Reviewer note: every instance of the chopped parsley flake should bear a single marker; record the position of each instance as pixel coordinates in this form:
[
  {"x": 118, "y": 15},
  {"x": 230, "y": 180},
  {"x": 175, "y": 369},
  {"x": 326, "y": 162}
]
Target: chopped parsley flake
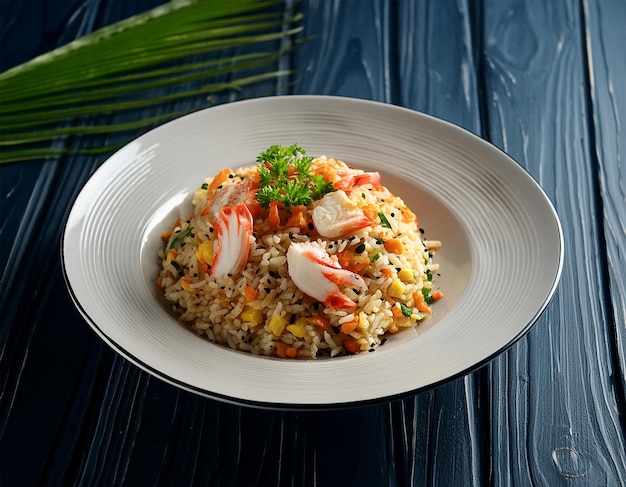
[
  {"x": 383, "y": 220},
  {"x": 177, "y": 238},
  {"x": 406, "y": 311}
]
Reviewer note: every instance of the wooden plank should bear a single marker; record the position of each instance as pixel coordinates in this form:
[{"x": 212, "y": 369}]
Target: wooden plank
[
  {"x": 554, "y": 408},
  {"x": 401, "y": 60},
  {"x": 604, "y": 23}
]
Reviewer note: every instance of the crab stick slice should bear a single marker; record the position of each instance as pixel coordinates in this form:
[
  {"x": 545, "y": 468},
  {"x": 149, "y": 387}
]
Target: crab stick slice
[
  {"x": 233, "y": 228},
  {"x": 337, "y": 215},
  {"x": 317, "y": 275}
]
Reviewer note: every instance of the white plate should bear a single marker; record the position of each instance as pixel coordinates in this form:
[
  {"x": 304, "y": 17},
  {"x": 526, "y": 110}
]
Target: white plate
[{"x": 500, "y": 262}]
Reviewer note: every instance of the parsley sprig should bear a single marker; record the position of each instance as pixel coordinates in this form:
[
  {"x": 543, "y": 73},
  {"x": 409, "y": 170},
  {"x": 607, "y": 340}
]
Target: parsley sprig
[{"x": 285, "y": 177}]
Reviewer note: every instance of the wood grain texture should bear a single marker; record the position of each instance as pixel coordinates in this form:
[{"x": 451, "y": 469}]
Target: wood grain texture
[
  {"x": 535, "y": 82},
  {"x": 540, "y": 80},
  {"x": 604, "y": 24}
]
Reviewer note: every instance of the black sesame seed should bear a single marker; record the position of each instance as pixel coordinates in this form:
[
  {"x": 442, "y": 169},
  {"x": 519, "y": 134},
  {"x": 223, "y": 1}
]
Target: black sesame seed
[
  {"x": 383, "y": 341},
  {"x": 360, "y": 249},
  {"x": 371, "y": 350},
  {"x": 231, "y": 176},
  {"x": 311, "y": 226}
]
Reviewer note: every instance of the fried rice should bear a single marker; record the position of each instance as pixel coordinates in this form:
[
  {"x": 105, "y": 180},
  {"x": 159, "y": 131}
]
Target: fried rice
[{"x": 264, "y": 307}]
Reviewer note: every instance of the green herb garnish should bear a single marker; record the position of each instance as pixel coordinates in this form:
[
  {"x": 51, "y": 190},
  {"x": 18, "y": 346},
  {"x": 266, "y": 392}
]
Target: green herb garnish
[
  {"x": 406, "y": 311},
  {"x": 383, "y": 220},
  {"x": 178, "y": 267},
  {"x": 427, "y": 297},
  {"x": 177, "y": 238},
  {"x": 285, "y": 177},
  {"x": 374, "y": 258}
]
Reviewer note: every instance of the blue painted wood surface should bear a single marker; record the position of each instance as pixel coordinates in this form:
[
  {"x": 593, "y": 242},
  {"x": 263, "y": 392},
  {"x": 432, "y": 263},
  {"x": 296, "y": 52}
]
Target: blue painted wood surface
[{"x": 541, "y": 80}]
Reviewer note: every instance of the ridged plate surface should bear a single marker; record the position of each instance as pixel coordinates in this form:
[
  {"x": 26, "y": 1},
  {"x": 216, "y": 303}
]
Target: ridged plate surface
[{"x": 500, "y": 261}]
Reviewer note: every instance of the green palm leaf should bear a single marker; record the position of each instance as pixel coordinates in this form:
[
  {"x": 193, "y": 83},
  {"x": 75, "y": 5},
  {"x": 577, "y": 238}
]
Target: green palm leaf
[{"x": 128, "y": 65}]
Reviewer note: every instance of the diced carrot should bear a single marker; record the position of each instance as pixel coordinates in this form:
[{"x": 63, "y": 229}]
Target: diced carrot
[
  {"x": 250, "y": 293},
  {"x": 221, "y": 176},
  {"x": 297, "y": 217},
  {"x": 320, "y": 321},
  {"x": 351, "y": 345},
  {"x": 420, "y": 304},
  {"x": 159, "y": 281},
  {"x": 371, "y": 212},
  {"x": 349, "y": 326},
  {"x": 358, "y": 266},
  {"x": 255, "y": 208},
  {"x": 327, "y": 172},
  {"x": 344, "y": 258},
  {"x": 396, "y": 311},
  {"x": 437, "y": 295},
  {"x": 283, "y": 350},
  {"x": 177, "y": 223},
  {"x": 218, "y": 179},
  {"x": 408, "y": 216},
  {"x": 165, "y": 236},
  {"x": 274, "y": 217},
  {"x": 394, "y": 246},
  {"x": 386, "y": 272}
]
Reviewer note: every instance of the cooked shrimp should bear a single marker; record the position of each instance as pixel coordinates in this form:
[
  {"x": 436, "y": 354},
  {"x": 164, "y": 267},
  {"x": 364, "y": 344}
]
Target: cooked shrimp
[
  {"x": 337, "y": 215},
  {"x": 233, "y": 228},
  {"x": 317, "y": 275}
]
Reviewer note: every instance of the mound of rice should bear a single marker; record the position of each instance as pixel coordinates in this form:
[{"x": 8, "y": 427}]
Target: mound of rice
[{"x": 260, "y": 310}]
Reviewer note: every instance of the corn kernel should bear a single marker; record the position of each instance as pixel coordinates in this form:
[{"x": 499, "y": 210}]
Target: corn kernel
[
  {"x": 277, "y": 325},
  {"x": 405, "y": 275},
  {"x": 363, "y": 322},
  {"x": 184, "y": 283},
  {"x": 396, "y": 289},
  {"x": 298, "y": 329},
  {"x": 252, "y": 315}
]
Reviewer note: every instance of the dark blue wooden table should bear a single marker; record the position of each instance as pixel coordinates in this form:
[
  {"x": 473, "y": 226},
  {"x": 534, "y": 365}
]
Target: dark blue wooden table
[{"x": 542, "y": 80}]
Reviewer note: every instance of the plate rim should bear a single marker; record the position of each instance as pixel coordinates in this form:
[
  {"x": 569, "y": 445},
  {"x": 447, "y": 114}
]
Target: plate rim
[{"x": 299, "y": 406}]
